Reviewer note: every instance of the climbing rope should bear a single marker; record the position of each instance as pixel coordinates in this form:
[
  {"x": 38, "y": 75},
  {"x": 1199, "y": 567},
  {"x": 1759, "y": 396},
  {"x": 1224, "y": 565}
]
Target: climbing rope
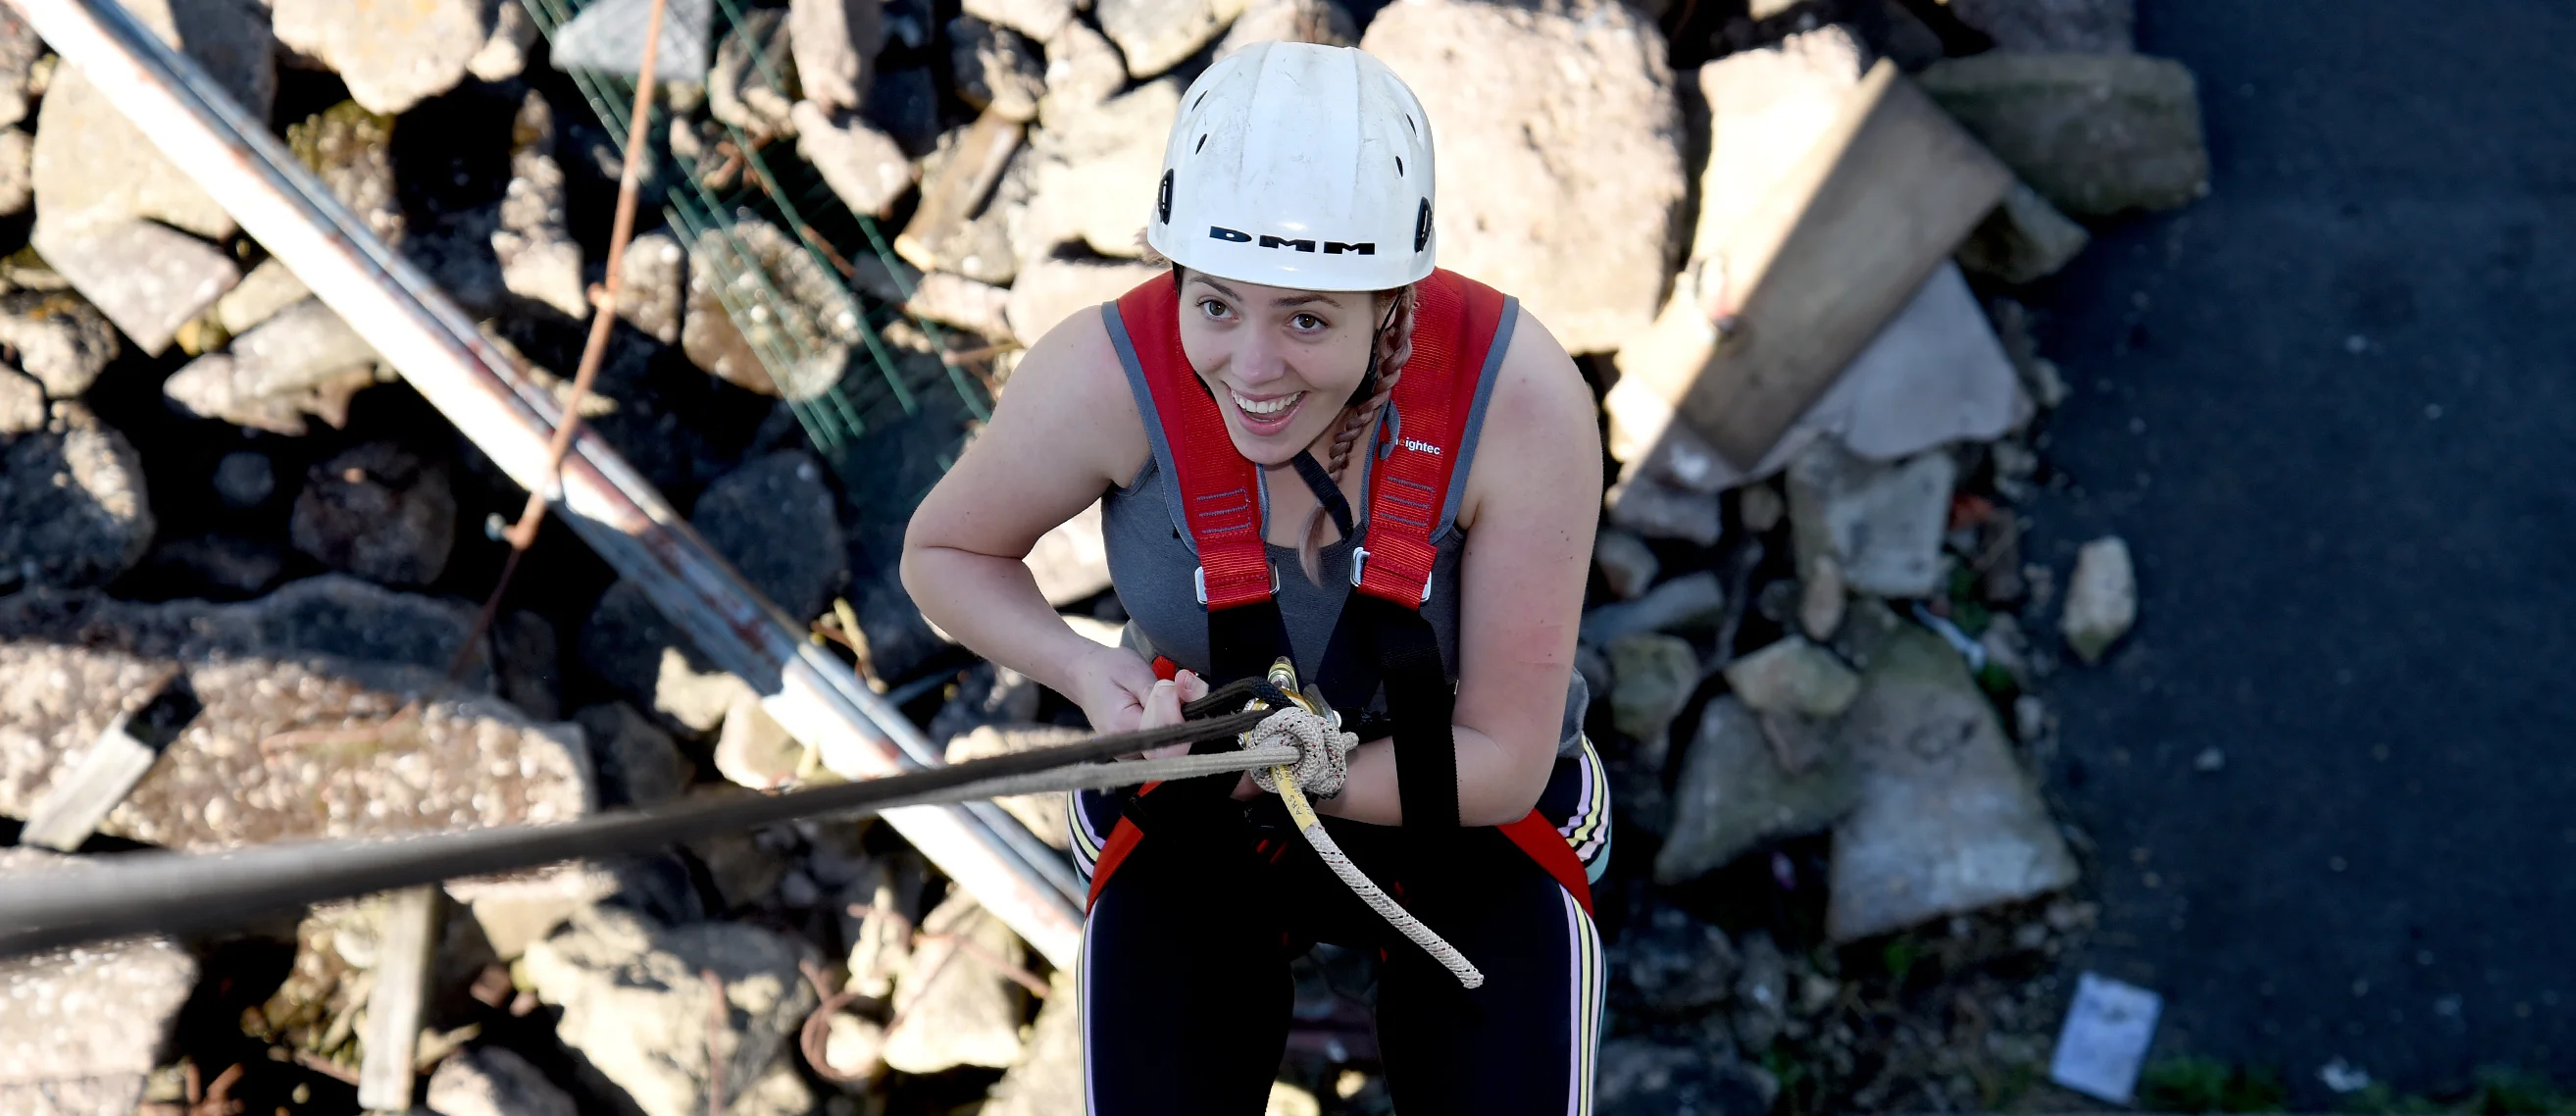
[
  {"x": 1284, "y": 740},
  {"x": 1322, "y": 752}
]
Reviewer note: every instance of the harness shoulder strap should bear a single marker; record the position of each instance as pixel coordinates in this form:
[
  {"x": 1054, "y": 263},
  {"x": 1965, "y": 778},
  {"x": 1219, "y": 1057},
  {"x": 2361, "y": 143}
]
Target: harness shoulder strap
[
  {"x": 1456, "y": 328},
  {"x": 1217, "y": 487}
]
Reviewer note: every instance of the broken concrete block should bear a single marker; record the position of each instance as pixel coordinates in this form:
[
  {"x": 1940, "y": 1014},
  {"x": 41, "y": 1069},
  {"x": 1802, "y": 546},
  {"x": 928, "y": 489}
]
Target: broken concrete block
[
  {"x": 17, "y": 171},
  {"x": 1652, "y": 675},
  {"x": 754, "y": 750},
  {"x": 1759, "y": 327},
  {"x": 392, "y": 54},
  {"x": 1037, "y": 19},
  {"x": 640, "y": 1009},
  {"x": 352, "y": 768},
  {"x": 1083, "y": 67},
  {"x": 979, "y": 308},
  {"x": 2101, "y": 598},
  {"x": 1794, "y": 677},
  {"x": 835, "y": 44},
  {"x": 1947, "y": 821},
  {"x": 1935, "y": 374},
  {"x": 963, "y": 1012},
  {"x": 268, "y": 288},
  {"x": 2023, "y": 241},
  {"x": 304, "y": 361},
  {"x": 1650, "y": 507},
  {"x": 1051, "y": 289},
  {"x": 1689, "y": 601},
  {"x": 609, "y": 36},
  {"x": 1732, "y": 794},
  {"x": 61, "y": 340},
  {"x": 1626, "y": 565},
  {"x": 146, "y": 277},
  {"x": 1094, "y": 169},
  {"x": 1565, "y": 189},
  {"x": 92, "y": 165},
  {"x": 1071, "y": 562},
  {"x": 1768, "y": 107},
  {"x": 84, "y": 1027},
  {"x": 754, "y": 81},
  {"x": 1820, "y": 598},
  {"x": 862, "y": 165},
  {"x": 2097, "y": 134},
  {"x": 539, "y": 259},
  {"x": 22, "y": 404},
  {"x": 1156, "y": 35},
  {"x": 505, "y": 53},
  {"x": 996, "y": 68},
  {"x": 1881, "y": 523},
  {"x": 493, "y": 1081}
]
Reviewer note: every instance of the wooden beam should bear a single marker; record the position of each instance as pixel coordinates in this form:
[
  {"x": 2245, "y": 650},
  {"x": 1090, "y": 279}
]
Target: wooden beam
[
  {"x": 406, "y": 947},
  {"x": 1755, "y": 333}
]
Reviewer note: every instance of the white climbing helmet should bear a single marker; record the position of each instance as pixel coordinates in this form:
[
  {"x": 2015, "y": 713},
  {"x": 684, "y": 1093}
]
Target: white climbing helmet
[{"x": 1297, "y": 165}]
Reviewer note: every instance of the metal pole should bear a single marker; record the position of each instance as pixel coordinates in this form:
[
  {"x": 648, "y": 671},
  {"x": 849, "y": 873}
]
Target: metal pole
[{"x": 612, "y": 508}]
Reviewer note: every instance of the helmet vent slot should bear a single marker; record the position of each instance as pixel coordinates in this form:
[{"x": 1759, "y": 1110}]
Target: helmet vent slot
[{"x": 1202, "y": 144}]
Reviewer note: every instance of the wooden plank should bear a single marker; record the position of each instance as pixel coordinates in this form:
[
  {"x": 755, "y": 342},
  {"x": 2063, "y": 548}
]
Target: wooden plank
[
  {"x": 78, "y": 801},
  {"x": 405, "y": 949},
  {"x": 953, "y": 192},
  {"x": 1833, "y": 251}
]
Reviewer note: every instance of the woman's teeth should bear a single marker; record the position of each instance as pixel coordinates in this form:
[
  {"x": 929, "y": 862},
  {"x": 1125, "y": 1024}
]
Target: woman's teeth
[{"x": 1266, "y": 406}]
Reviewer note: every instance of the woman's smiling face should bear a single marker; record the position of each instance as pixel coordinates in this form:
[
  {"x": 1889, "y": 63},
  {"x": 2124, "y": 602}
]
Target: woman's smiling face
[{"x": 1281, "y": 362}]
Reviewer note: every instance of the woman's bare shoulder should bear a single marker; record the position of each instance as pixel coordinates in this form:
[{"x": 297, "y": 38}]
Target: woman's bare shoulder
[
  {"x": 1071, "y": 387},
  {"x": 1541, "y": 435}
]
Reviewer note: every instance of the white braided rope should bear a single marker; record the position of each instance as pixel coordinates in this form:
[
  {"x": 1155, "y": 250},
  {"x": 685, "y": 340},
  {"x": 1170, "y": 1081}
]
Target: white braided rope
[
  {"x": 1323, "y": 755},
  {"x": 1403, "y": 921},
  {"x": 1327, "y": 752}
]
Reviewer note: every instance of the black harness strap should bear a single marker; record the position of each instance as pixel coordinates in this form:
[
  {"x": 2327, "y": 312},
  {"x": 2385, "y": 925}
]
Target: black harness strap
[{"x": 1326, "y": 492}]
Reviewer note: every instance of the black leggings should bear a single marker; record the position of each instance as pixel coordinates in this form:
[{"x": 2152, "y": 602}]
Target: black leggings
[{"x": 1185, "y": 989}]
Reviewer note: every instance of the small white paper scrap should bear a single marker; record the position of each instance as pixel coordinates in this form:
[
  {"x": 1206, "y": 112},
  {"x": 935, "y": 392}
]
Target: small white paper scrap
[{"x": 2105, "y": 1039}]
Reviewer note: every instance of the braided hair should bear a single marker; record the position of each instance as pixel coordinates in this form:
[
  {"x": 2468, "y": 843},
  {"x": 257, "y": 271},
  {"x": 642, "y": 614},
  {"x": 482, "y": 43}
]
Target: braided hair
[{"x": 1389, "y": 350}]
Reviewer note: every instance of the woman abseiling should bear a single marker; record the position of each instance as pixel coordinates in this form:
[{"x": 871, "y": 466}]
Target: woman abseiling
[{"x": 1310, "y": 443}]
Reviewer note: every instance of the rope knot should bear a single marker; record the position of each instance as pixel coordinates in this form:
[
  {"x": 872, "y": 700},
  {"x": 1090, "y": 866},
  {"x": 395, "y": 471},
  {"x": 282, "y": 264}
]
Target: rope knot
[{"x": 1323, "y": 755}]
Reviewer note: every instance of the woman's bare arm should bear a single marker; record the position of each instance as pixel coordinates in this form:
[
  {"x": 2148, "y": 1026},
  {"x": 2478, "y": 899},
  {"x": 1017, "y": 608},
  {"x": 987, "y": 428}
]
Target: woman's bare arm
[
  {"x": 1064, "y": 431},
  {"x": 1533, "y": 496}
]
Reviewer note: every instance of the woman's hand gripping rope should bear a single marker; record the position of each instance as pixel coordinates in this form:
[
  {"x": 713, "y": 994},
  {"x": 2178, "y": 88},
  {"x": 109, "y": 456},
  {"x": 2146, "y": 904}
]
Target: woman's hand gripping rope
[{"x": 1323, "y": 763}]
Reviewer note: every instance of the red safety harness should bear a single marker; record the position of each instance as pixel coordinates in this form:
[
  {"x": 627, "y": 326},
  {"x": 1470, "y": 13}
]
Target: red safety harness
[{"x": 1382, "y": 637}]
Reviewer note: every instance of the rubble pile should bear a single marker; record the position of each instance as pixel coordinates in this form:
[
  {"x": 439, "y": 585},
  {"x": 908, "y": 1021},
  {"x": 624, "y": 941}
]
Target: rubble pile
[{"x": 1803, "y": 277}]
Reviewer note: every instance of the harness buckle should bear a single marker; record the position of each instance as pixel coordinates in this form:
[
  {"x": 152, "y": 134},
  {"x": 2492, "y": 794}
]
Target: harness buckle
[
  {"x": 1200, "y": 577},
  {"x": 1359, "y": 567}
]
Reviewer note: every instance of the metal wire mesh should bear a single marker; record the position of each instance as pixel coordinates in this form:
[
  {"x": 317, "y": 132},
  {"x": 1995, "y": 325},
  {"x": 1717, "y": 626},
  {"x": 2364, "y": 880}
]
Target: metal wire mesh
[{"x": 889, "y": 425}]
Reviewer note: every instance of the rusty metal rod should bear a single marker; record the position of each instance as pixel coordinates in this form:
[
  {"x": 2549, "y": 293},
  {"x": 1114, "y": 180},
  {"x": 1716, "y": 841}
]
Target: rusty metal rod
[{"x": 611, "y": 507}]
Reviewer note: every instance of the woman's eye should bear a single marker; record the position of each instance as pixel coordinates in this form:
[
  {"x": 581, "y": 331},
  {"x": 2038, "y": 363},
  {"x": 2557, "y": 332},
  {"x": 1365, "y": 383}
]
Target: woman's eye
[
  {"x": 1214, "y": 309},
  {"x": 1307, "y": 322}
]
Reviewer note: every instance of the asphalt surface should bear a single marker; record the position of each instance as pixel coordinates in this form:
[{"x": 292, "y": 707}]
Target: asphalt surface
[{"x": 2332, "y": 408}]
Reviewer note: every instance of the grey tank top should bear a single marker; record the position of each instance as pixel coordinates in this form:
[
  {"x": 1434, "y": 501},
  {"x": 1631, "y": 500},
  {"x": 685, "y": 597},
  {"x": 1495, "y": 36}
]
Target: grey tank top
[{"x": 1153, "y": 562}]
